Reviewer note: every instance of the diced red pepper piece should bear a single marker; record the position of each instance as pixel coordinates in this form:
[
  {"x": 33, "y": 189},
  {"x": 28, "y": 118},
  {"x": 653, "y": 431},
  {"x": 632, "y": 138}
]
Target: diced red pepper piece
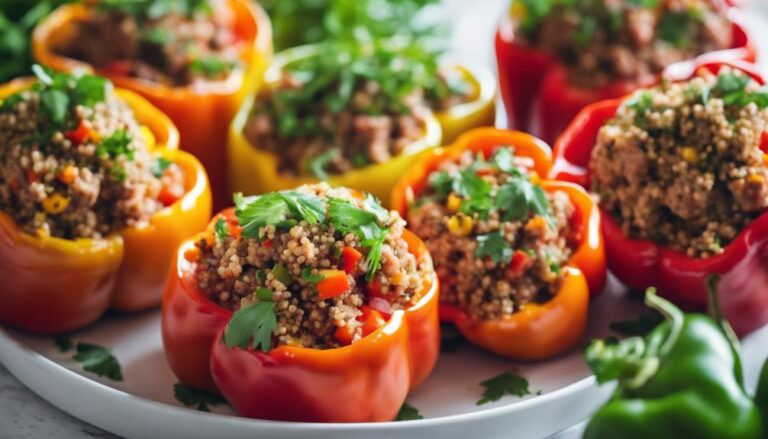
[
  {"x": 344, "y": 335},
  {"x": 79, "y": 135},
  {"x": 764, "y": 142},
  {"x": 519, "y": 263},
  {"x": 267, "y": 243},
  {"x": 373, "y": 321},
  {"x": 334, "y": 284},
  {"x": 350, "y": 259},
  {"x": 118, "y": 68}
]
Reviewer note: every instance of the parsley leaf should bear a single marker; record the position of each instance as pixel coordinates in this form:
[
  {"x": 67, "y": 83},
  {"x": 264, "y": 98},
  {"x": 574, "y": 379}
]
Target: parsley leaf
[
  {"x": 318, "y": 164},
  {"x": 504, "y": 384},
  {"x": 192, "y": 397},
  {"x": 221, "y": 228},
  {"x": 99, "y": 360},
  {"x": 309, "y": 277},
  {"x": 442, "y": 183},
  {"x": 408, "y": 413},
  {"x": 503, "y": 160},
  {"x": 347, "y": 218},
  {"x": 211, "y": 66},
  {"x": 117, "y": 144},
  {"x": 252, "y": 326},
  {"x": 277, "y": 208},
  {"x": 495, "y": 246},
  {"x": 55, "y": 103}
]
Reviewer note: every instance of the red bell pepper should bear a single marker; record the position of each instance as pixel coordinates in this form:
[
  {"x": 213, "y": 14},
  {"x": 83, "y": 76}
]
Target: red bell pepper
[
  {"x": 371, "y": 376},
  {"x": 535, "y": 88},
  {"x": 742, "y": 266},
  {"x": 334, "y": 284}
]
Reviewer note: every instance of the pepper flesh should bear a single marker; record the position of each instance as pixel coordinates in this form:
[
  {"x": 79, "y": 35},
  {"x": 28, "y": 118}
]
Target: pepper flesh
[
  {"x": 538, "y": 97},
  {"x": 538, "y": 330},
  {"x": 643, "y": 263},
  {"x": 689, "y": 384},
  {"x": 82, "y": 278},
  {"x": 201, "y": 111},
  {"x": 372, "y": 375}
]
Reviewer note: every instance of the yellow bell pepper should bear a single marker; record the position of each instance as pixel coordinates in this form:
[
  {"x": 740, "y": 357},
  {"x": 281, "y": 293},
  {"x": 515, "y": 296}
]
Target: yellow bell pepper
[
  {"x": 254, "y": 171},
  {"x": 478, "y": 111}
]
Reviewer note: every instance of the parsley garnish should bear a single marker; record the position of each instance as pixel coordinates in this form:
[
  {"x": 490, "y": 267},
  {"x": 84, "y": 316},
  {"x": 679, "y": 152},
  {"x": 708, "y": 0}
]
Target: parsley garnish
[
  {"x": 318, "y": 164},
  {"x": 252, "y": 326},
  {"x": 211, "y": 66},
  {"x": 281, "y": 209},
  {"x": 505, "y": 384},
  {"x": 221, "y": 228},
  {"x": 408, "y": 413},
  {"x": 310, "y": 278},
  {"x": 159, "y": 166},
  {"x": 99, "y": 360},
  {"x": 117, "y": 144},
  {"x": 495, "y": 246},
  {"x": 347, "y": 218},
  {"x": 196, "y": 398}
]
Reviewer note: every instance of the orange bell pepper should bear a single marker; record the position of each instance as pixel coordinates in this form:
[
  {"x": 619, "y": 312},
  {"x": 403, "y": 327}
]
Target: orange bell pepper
[
  {"x": 372, "y": 376},
  {"x": 537, "y": 331},
  {"x": 202, "y": 112},
  {"x": 53, "y": 285},
  {"x": 334, "y": 284}
]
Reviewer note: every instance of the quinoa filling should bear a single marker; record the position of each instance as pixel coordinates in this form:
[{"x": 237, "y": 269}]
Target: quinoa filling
[
  {"x": 603, "y": 41},
  {"x": 351, "y": 107},
  {"x": 497, "y": 239},
  {"x": 171, "y": 43},
  {"x": 316, "y": 267},
  {"x": 74, "y": 162},
  {"x": 682, "y": 165}
]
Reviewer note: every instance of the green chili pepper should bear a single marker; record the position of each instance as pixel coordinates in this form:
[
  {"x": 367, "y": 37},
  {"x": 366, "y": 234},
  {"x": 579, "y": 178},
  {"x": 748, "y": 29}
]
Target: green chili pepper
[{"x": 682, "y": 380}]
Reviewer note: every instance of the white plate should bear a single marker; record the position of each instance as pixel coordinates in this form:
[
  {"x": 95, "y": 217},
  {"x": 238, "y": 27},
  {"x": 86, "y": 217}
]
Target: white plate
[{"x": 143, "y": 404}]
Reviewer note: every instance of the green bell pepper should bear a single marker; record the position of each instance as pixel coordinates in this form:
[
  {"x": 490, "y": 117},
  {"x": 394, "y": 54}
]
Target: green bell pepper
[{"x": 683, "y": 380}]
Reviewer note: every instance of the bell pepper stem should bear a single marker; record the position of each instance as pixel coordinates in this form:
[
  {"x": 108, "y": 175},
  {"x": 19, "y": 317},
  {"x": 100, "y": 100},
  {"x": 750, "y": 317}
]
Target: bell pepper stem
[
  {"x": 672, "y": 314},
  {"x": 713, "y": 309}
]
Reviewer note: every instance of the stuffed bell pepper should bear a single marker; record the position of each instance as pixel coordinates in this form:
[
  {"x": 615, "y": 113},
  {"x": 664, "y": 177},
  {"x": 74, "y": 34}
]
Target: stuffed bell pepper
[
  {"x": 681, "y": 173},
  {"x": 353, "y": 114},
  {"x": 313, "y": 304},
  {"x": 94, "y": 200},
  {"x": 518, "y": 257},
  {"x": 556, "y": 57},
  {"x": 195, "y": 60}
]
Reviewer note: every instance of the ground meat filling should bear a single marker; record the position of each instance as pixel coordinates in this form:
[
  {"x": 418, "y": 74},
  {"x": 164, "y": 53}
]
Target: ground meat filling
[
  {"x": 173, "y": 43},
  {"x": 682, "y": 164},
  {"x": 603, "y": 41},
  {"x": 357, "y": 107},
  {"x": 497, "y": 239},
  {"x": 77, "y": 165},
  {"x": 326, "y": 285}
]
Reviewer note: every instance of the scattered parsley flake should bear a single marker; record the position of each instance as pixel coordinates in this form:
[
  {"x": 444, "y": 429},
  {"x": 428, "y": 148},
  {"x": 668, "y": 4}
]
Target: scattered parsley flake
[
  {"x": 196, "y": 398},
  {"x": 221, "y": 229},
  {"x": 309, "y": 277},
  {"x": 408, "y": 413},
  {"x": 506, "y": 383},
  {"x": 99, "y": 360},
  {"x": 494, "y": 246}
]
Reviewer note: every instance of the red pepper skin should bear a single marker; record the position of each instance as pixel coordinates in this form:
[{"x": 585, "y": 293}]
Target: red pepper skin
[
  {"x": 372, "y": 376},
  {"x": 642, "y": 263},
  {"x": 538, "y": 97}
]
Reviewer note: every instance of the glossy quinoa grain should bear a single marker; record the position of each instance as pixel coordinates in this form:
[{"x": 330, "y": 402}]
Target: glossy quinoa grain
[
  {"x": 603, "y": 41},
  {"x": 497, "y": 239},
  {"x": 74, "y": 162},
  {"x": 682, "y": 164},
  {"x": 308, "y": 261}
]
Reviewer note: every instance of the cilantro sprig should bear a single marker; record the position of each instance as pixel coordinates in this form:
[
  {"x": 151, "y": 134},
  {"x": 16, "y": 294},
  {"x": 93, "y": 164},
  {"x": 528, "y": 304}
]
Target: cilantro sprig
[
  {"x": 507, "y": 383},
  {"x": 348, "y": 218},
  {"x": 252, "y": 326},
  {"x": 92, "y": 357},
  {"x": 199, "y": 399},
  {"x": 408, "y": 413}
]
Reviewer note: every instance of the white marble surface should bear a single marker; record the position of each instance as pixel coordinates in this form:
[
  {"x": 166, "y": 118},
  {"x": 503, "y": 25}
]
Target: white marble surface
[{"x": 25, "y": 415}]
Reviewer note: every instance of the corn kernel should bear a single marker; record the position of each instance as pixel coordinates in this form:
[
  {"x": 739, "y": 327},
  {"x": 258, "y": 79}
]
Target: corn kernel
[
  {"x": 533, "y": 177},
  {"x": 454, "y": 202},
  {"x": 460, "y": 225},
  {"x": 149, "y": 137},
  {"x": 756, "y": 179},
  {"x": 55, "y": 203},
  {"x": 690, "y": 154}
]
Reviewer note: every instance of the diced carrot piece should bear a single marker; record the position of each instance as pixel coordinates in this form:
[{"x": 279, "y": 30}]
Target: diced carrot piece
[
  {"x": 350, "y": 259},
  {"x": 79, "y": 135},
  {"x": 373, "y": 321},
  {"x": 68, "y": 174},
  {"x": 192, "y": 254},
  {"x": 334, "y": 284}
]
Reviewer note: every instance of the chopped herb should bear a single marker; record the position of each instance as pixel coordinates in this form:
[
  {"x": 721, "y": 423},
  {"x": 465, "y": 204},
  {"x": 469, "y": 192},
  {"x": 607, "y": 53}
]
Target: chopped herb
[
  {"x": 503, "y": 160},
  {"x": 159, "y": 36},
  {"x": 309, "y": 277},
  {"x": 99, "y": 360},
  {"x": 54, "y": 104},
  {"x": 252, "y": 326},
  {"x": 196, "y": 398},
  {"x": 221, "y": 229},
  {"x": 64, "y": 343},
  {"x": 408, "y": 413},
  {"x": 264, "y": 294},
  {"x": 495, "y": 246},
  {"x": 281, "y": 209},
  {"x": 159, "y": 166},
  {"x": 442, "y": 183},
  {"x": 674, "y": 27},
  {"x": 318, "y": 164},
  {"x": 117, "y": 144},
  {"x": 282, "y": 274},
  {"x": 586, "y": 30},
  {"x": 211, "y": 66},
  {"x": 347, "y": 218},
  {"x": 505, "y": 384}
]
